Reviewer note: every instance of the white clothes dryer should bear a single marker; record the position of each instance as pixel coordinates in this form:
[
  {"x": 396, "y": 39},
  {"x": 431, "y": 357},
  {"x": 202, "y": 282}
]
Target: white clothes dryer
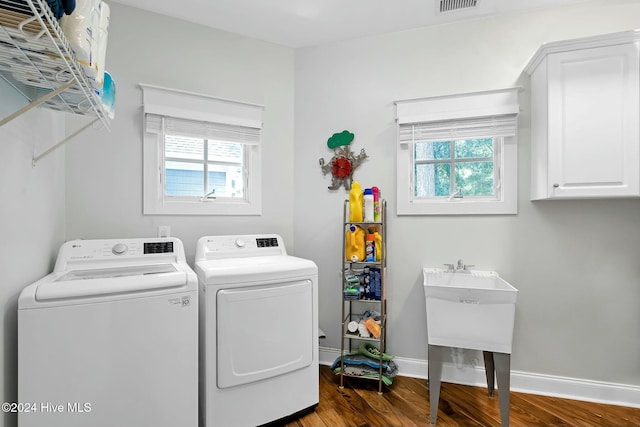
[
  {"x": 258, "y": 331},
  {"x": 110, "y": 337}
]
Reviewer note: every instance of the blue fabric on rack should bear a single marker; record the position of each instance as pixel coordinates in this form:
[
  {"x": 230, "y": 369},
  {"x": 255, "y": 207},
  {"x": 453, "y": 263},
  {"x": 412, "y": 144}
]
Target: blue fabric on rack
[
  {"x": 56, "y": 8},
  {"x": 358, "y": 359},
  {"x": 61, "y": 7},
  {"x": 69, "y": 6}
]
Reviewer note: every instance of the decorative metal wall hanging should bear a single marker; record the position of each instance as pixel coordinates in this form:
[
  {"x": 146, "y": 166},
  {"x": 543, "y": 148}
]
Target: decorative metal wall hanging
[{"x": 344, "y": 162}]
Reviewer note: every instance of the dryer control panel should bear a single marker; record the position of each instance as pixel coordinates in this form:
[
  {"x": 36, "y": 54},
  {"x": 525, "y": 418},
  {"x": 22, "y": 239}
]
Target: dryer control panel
[{"x": 240, "y": 246}]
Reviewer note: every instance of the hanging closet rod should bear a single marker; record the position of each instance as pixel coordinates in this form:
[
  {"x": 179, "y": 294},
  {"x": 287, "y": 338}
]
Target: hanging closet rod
[
  {"x": 33, "y": 104},
  {"x": 61, "y": 143}
]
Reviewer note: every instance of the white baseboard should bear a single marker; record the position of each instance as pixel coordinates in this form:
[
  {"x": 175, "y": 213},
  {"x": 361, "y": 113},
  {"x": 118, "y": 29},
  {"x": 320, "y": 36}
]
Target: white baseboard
[{"x": 525, "y": 382}]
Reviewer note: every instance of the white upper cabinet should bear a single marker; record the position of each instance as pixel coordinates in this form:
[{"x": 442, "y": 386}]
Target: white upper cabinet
[{"x": 585, "y": 118}]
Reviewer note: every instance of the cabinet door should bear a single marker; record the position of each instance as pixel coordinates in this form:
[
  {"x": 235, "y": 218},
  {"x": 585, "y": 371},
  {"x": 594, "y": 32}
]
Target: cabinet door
[{"x": 593, "y": 122}]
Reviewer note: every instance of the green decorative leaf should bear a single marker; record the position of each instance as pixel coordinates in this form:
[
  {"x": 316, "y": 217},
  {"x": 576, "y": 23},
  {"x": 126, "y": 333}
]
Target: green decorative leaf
[{"x": 337, "y": 139}]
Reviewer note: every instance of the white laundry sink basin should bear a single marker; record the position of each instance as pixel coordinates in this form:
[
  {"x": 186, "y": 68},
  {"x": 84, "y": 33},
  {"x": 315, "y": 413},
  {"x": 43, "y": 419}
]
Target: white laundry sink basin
[{"x": 469, "y": 309}]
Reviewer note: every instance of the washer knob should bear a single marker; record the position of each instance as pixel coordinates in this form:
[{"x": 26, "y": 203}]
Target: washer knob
[
  {"x": 119, "y": 249},
  {"x": 240, "y": 243}
]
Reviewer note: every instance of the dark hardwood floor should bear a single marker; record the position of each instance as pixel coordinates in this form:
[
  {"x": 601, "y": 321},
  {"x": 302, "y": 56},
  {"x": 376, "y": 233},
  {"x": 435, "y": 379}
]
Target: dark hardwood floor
[{"x": 406, "y": 403}]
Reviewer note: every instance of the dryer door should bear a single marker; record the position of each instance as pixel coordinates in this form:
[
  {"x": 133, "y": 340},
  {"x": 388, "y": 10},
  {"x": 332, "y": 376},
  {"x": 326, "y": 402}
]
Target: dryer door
[{"x": 263, "y": 331}]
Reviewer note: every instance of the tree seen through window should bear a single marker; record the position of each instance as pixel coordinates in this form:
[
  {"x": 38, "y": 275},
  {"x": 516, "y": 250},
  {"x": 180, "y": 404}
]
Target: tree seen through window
[{"x": 464, "y": 168}]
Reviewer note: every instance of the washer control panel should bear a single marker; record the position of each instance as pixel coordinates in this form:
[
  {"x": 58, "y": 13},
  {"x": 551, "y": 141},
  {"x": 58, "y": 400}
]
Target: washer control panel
[
  {"x": 267, "y": 242},
  {"x": 119, "y": 249},
  {"x": 110, "y": 249},
  {"x": 158, "y": 247}
]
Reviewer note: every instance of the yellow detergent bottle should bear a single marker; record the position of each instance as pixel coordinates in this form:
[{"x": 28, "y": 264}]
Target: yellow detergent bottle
[
  {"x": 378, "y": 242},
  {"x": 354, "y": 244},
  {"x": 356, "y": 202},
  {"x": 379, "y": 248}
]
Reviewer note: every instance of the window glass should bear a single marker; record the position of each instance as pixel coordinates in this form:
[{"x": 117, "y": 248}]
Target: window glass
[
  {"x": 475, "y": 179},
  {"x": 226, "y": 168},
  {"x": 432, "y": 179},
  {"x": 184, "y": 179},
  {"x": 471, "y": 161},
  {"x": 433, "y": 150},
  {"x": 188, "y": 174},
  {"x": 468, "y": 148}
]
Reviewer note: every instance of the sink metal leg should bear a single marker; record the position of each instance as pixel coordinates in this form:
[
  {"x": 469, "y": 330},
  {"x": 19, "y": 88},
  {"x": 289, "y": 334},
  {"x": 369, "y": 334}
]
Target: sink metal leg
[
  {"x": 503, "y": 372},
  {"x": 489, "y": 371},
  {"x": 434, "y": 361},
  {"x": 497, "y": 365}
]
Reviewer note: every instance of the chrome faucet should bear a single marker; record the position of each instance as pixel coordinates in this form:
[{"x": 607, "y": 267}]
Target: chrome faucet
[{"x": 462, "y": 267}]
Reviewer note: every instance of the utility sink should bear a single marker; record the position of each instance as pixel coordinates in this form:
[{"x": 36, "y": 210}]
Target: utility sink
[{"x": 469, "y": 309}]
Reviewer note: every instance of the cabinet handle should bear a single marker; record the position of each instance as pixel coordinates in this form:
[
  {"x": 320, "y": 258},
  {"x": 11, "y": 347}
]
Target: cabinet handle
[{"x": 556, "y": 185}]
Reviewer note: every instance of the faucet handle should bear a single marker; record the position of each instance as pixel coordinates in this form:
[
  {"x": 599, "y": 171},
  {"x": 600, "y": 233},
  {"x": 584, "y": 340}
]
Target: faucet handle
[
  {"x": 468, "y": 265},
  {"x": 449, "y": 267}
]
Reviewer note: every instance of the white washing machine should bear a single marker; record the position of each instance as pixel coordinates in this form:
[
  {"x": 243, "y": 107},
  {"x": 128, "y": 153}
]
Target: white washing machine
[
  {"x": 258, "y": 331},
  {"x": 110, "y": 338}
]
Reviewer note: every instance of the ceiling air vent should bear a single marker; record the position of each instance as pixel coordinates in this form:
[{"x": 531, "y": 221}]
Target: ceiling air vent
[{"x": 453, "y": 5}]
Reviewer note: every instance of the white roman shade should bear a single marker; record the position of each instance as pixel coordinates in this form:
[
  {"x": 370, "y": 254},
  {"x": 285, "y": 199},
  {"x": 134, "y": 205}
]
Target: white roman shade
[
  {"x": 216, "y": 131},
  {"x": 475, "y": 115},
  {"x": 167, "y": 111}
]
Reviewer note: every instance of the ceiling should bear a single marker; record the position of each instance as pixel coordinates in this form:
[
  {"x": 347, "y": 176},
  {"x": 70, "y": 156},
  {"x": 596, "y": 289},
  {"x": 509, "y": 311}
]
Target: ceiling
[{"x": 303, "y": 23}]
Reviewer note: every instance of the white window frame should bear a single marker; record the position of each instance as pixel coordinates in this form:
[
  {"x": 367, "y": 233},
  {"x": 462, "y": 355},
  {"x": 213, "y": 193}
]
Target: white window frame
[
  {"x": 463, "y": 116},
  {"x": 170, "y": 103}
]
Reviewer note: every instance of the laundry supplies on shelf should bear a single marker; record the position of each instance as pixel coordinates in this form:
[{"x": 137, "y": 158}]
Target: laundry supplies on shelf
[
  {"x": 356, "y": 203},
  {"x": 366, "y": 325},
  {"x": 373, "y": 352},
  {"x": 370, "y": 247},
  {"x": 87, "y": 32},
  {"x": 351, "y": 286},
  {"x": 61, "y": 7},
  {"x": 354, "y": 244},
  {"x": 368, "y": 205},
  {"x": 38, "y": 61},
  {"x": 365, "y": 362},
  {"x": 364, "y": 304},
  {"x": 376, "y": 203}
]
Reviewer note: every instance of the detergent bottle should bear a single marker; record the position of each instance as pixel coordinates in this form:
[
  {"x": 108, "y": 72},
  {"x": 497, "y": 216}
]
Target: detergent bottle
[
  {"x": 370, "y": 247},
  {"x": 368, "y": 205},
  {"x": 354, "y": 244},
  {"x": 355, "y": 202},
  {"x": 376, "y": 204},
  {"x": 373, "y": 327},
  {"x": 378, "y": 243}
]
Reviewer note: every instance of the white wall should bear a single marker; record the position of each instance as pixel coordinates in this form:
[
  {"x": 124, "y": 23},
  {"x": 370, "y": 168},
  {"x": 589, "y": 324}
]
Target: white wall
[
  {"x": 575, "y": 263},
  {"x": 104, "y": 169},
  {"x": 31, "y": 219}
]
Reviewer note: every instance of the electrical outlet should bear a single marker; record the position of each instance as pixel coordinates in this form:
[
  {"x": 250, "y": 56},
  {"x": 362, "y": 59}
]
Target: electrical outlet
[{"x": 164, "y": 231}]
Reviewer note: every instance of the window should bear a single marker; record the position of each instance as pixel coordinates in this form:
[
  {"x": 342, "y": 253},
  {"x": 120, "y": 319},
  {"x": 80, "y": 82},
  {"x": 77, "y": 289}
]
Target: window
[
  {"x": 457, "y": 168},
  {"x": 197, "y": 167},
  {"x": 457, "y": 154},
  {"x": 201, "y": 154}
]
